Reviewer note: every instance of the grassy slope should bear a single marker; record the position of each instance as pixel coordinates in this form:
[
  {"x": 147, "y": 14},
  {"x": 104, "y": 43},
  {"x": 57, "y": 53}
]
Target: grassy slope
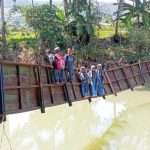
[{"x": 22, "y": 39}]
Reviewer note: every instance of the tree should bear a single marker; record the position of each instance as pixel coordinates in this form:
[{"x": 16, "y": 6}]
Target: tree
[
  {"x": 3, "y": 24},
  {"x": 65, "y": 2},
  {"x": 81, "y": 18},
  {"x": 139, "y": 12},
  {"x": 118, "y": 15},
  {"x": 47, "y": 22},
  {"x": 53, "y": 26},
  {"x": 50, "y": 2},
  {"x": 4, "y": 43}
]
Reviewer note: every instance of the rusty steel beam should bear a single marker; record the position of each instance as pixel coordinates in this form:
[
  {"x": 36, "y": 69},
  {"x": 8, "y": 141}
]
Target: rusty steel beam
[
  {"x": 20, "y": 87},
  {"x": 127, "y": 78},
  {"x": 148, "y": 67},
  {"x": 41, "y": 101},
  {"x": 17, "y": 63},
  {"x": 141, "y": 74},
  {"x": 117, "y": 80},
  {"x": 65, "y": 90},
  {"x": 19, "y": 111},
  {"x": 134, "y": 76},
  {"x": 18, "y": 82},
  {"x": 67, "y": 95},
  {"x": 2, "y": 98},
  {"x": 110, "y": 83},
  {"x": 50, "y": 88},
  {"x": 74, "y": 93}
]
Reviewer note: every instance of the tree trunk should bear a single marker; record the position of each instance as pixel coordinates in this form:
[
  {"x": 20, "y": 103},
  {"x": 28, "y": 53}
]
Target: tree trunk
[
  {"x": 3, "y": 24},
  {"x": 117, "y": 18},
  {"x": 50, "y": 2},
  {"x": 65, "y": 6},
  {"x": 144, "y": 1},
  {"x": 137, "y": 6},
  {"x": 77, "y": 6},
  {"x": 32, "y": 3},
  {"x": 144, "y": 16}
]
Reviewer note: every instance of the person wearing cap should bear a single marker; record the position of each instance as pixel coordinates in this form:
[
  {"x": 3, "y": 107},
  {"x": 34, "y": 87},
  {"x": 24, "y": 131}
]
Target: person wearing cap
[
  {"x": 59, "y": 66},
  {"x": 84, "y": 78},
  {"x": 69, "y": 65},
  {"x": 100, "y": 81},
  {"x": 93, "y": 79},
  {"x": 50, "y": 57}
]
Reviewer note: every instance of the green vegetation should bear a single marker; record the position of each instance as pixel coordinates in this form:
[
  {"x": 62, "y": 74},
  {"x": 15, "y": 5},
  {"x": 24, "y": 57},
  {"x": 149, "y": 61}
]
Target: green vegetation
[
  {"x": 108, "y": 32},
  {"x": 18, "y": 38},
  {"x": 79, "y": 25}
]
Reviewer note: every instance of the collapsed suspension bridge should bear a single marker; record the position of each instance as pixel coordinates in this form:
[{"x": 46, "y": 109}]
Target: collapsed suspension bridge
[{"x": 26, "y": 87}]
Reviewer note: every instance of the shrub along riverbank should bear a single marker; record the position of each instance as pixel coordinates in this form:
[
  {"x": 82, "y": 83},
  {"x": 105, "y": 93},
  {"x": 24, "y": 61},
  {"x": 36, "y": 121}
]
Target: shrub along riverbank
[
  {"x": 133, "y": 45},
  {"x": 79, "y": 25}
]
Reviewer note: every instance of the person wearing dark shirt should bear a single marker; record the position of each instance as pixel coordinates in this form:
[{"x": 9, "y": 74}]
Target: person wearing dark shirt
[
  {"x": 100, "y": 80},
  {"x": 69, "y": 65},
  {"x": 93, "y": 79},
  {"x": 84, "y": 78},
  {"x": 59, "y": 66}
]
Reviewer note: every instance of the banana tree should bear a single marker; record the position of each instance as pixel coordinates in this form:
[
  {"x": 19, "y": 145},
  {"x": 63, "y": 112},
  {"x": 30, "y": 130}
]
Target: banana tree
[
  {"x": 139, "y": 11},
  {"x": 80, "y": 20}
]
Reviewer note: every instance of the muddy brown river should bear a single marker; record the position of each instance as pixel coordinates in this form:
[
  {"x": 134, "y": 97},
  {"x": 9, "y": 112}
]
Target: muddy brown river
[{"x": 117, "y": 123}]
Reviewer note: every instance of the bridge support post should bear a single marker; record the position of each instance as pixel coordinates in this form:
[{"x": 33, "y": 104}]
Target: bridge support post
[
  {"x": 141, "y": 73},
  {"x": 41, "y": 101},
  {"x": 131, "y": 87},
  {"x": 2, "y": 99},
  {"x": 49, "y": 82},
  {"x": 67, "y": 96},
  {"x": 110, "y": 83}
]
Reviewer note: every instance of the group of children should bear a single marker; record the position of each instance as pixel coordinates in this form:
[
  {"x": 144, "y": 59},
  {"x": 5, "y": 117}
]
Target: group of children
[
  {"x": 61, "y": 65},
  {"x": 92, "y": 82},
  {"x": 63, "y": 69}
]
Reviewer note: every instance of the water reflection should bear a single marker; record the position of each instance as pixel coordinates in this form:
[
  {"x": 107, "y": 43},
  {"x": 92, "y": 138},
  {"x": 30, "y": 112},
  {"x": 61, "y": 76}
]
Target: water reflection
[
  {"x": 113, "y": 124},
  {"x": 134, "y": 133},
  {"x": 130, "y": 129}
]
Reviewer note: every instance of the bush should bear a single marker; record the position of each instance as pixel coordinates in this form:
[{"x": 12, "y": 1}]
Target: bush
[{"x": 139, "y": 41}]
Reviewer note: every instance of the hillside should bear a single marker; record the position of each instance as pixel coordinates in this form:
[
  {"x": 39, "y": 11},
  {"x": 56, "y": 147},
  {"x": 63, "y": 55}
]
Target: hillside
[
  {"x": 107, "y": 8},
  {"x": 10, "y": 3}
]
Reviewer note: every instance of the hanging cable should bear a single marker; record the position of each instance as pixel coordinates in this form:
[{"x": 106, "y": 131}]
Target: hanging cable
[{"x": 4, "y": 134}]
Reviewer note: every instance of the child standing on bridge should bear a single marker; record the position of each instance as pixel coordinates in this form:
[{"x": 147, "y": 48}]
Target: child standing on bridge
[
  {"x": 93, "y": 80},
  {"x": 59, "y": 66},
  {"x": 100, "y": 81},
  {"x": 84, "y": 78},
  {"x": 69, "y": 61},
  {"x": 50, "y": 57}
]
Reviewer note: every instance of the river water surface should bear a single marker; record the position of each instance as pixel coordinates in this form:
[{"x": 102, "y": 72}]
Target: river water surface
[{"x": 117, "y": 123}]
